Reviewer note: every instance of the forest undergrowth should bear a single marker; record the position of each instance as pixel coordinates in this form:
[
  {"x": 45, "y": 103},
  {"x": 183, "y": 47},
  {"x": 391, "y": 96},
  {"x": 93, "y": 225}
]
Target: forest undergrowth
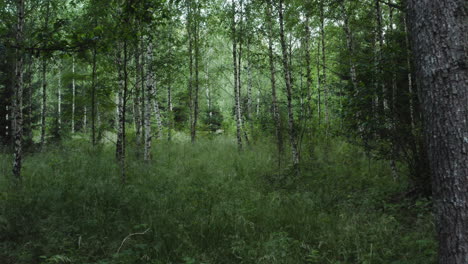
[{"x": 206, "y": 203}]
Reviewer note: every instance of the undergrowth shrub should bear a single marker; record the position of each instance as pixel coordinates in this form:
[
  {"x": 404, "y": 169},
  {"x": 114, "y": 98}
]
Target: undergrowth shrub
[{"x": 207, "y": 203}]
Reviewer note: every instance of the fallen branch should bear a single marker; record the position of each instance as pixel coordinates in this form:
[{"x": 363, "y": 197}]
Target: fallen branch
[{"x": 129, "y": 236}]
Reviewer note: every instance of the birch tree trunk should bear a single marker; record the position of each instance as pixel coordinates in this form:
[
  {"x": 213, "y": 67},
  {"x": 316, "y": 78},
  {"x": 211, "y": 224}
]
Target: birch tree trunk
[
  {"x": 119, "y": 125},
  {"x": 73, "y": 97},
  {"x": 148, "y": 102},
  {"x": 93, "y": 97},
  {"x": 319, "y": 86},
  {"x": 288, "y": 81},
  {"x": 18, "y": 102},
  {"x": 410, "y": 75},
  {"x": 157, "y": 112},
  {"x": 197, "y": 71},
  {"x": 308, "y": 69},
  {"x": 380, "y": 42},
  {"x": 439, "y": 32},
  {"x": 236, "y": 78},
  {"x": 352, "y": 64},
  {"x": 44, "y": 102},
  {"x": 44, "y": 82},
  {"x": 274, "y": 100},
  {"x": 323, "y": 78},
  {"x": 136, "y": 97},
  {"x": 169, "y": 109},
  {"x": 85, "y": 118},
  {"x": 59, "y": 99}
]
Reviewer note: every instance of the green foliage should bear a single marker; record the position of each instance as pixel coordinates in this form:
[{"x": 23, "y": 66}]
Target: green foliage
[{"x": 207, "y": 203}]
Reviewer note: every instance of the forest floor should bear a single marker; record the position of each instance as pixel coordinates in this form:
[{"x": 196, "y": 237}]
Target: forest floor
[{"x": 208, "y": 203}]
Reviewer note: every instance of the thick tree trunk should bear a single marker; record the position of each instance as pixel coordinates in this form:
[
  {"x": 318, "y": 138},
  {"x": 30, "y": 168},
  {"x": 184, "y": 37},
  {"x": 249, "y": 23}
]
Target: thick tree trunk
[
  {"x": 18, "y": 102},
  {"x": 439, "y": 32},
  {"x": 274, "y": 100},
  {"x": 288, "y": 81}
]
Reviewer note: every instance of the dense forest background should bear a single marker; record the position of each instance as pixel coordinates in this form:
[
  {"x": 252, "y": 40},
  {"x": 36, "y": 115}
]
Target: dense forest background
[{"x": 242, "y": 131}]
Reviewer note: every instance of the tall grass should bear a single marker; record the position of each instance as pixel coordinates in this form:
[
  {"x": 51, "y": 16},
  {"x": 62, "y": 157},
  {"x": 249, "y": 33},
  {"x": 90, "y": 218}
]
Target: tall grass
[{"x": 208, "y": 203}]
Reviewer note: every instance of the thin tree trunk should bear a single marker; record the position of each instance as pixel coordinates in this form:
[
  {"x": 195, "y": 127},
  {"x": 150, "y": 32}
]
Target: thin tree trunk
[
  {"x": 93, "y": 98},
  {"x": 439, "y": 32},
  {"x": 18, "y": 102},
  {"x": 157, "y": 112},
  {"x": 274, "y": 100},
  {"x": 85, "y": 118},
  {"x": 236, "y": 78},
  {"x": 73, "y": 96},
  {"x": 44, "y": 102},
  {"x": 30, "y": 98},
  {"x": 136, "y": 97},
  {"x": 352, "y": 68},
  {"x": 308, "y": 69},
  {"x": 124, "y": 108},
  {"x": 379, "y": 31},
  {"x": 257, "y": 111},
  {"x": 44, "y": 82},
  {"x": 148, "y": 102},
  {"x": 323, "y": 78},
  {"x": 319, "y": 86},
  {"x": 59, "y": 99},
  {"x": 197, "y": 70},
  {"x": 169, "y": 109},
  {"x": 288, "y": 81},
  {"x": 121, "y": 135},
  {"x": 410, "y": 76}
]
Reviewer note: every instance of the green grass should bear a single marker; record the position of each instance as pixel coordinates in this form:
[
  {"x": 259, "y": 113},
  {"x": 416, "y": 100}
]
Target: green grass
[{"x": 206, "y": 203}]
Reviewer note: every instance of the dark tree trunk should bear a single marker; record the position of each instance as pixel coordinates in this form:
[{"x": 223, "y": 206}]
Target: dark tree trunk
[
  {"x": 44, "y": 102},
  {"x": 274, "y": 100},
  {"x": 93, "y": 99},
  {"x": 122, "y": 105},
  {"x": 439, "y": 32},
  {"x": 288, "y": 81},
  {"x": 323, "y": 78},
  {"x": 18, "y": 103},
  {"x": 44, "y": 82},
  {"x": 197, "y": 72}
]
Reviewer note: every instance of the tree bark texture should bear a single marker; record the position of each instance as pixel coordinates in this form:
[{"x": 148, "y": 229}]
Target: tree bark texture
[
  {"x": 439, "y": 34},
  {"x": 288, "y": 81},
  {"x": 18, "y": 103}
]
